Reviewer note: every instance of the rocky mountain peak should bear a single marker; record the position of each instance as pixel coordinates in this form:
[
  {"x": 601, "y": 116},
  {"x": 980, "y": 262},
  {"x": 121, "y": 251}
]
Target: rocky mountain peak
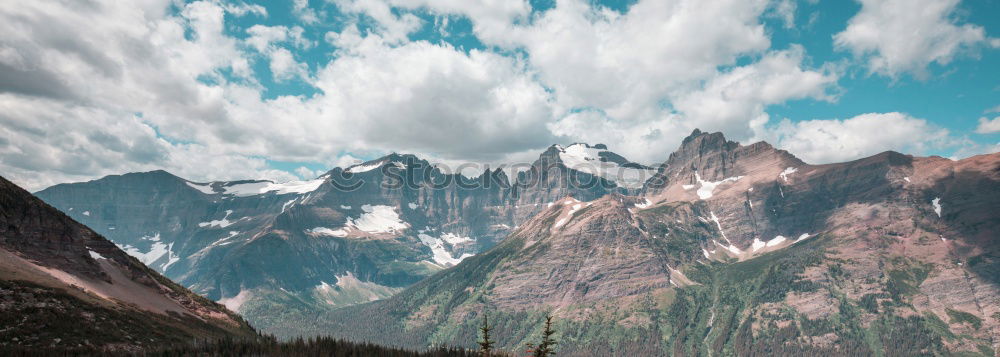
[
  {"x": 595, "y": 160},
  {"x": 711, "y": 157},
  {"x": 550, "y": 156},
  {"x": 401, "y": 161},
  {"x": 497, "y": 176},
  {"x": 155, "y": 176},
  {"x": 700, "y": 144},
  {"x": 855, "y": 246}
]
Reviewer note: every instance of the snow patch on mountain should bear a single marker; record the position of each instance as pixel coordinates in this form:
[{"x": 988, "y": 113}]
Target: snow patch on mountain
[
  {"x": 412, "y": 205},
  {"x": 157, "y": 251},
  {"x": 377, "y": 219},
  {"x": 440, "y": 253},
  {"x": 171, "y": 258},
  {"x": 226, "y": 240},
  {"x": 453, "y": 238},
  {"x": 359, "y": 168},
  {"x": 936, "y": 202},
  {"x": 299, "y": 187},
  {"x": 95, "y": 255},
  {"x": 569, "y": 214},
  {"x": 707, "y": 188},
  {"x": 257, "y": 188},
  {"x": 758, "y": 244},
  {"x": 583, "y": 158},
  {"x": 287, "y": 204},
  {"x": 788, "y": 171},
  {"x": 202, "y": 187},
  {"x": 220, "y": 223},
  {"x": 719, "y": 225},
  {"x": 340, "y": 232}
]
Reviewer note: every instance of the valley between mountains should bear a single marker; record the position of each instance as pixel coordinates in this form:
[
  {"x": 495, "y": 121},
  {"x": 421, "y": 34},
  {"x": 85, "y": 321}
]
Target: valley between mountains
[{"x": 722, "y": 249}]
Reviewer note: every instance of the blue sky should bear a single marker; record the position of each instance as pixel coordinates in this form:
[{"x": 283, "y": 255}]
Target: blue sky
[
  {"x": 953, "y": 96},
  {"x": 219, "y": 89}
]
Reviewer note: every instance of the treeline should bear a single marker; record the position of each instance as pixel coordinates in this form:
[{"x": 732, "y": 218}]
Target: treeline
[
  {"x": 318, "y": 346},
  {"x": 299, "y": 347},
  {"x": 265, "y": 346}
]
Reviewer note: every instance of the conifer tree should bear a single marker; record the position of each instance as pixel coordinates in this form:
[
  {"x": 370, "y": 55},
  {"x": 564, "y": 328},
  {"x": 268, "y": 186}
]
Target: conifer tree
[
  {"x": 486, "y": 345},
  {"x": 547, "y": 346}
]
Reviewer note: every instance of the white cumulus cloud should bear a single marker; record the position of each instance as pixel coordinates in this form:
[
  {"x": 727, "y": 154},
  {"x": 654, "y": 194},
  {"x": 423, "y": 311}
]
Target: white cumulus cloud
[
  {"x": 988, "y": 126},
  {"x": 160, "y": 84},
  {"x": 906, "y": 36},
  {"x": 823, "y": 141}
]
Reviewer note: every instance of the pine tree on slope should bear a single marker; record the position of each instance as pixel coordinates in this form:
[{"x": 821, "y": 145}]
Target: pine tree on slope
[{"x": 486, "y": 345}]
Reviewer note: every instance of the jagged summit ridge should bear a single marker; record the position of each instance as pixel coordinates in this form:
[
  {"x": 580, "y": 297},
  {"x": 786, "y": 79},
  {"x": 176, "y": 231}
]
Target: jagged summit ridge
[
  {"x": 295, "y": 250},
  {"x": 710, "y": 157},
  {"x": 745, "y": 251},
  {"x": 598, "y": 161}
]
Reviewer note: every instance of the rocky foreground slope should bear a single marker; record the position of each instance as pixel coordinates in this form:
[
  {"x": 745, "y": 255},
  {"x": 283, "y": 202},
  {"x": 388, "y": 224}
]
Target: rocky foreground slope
[
  {"x": 64, "y": 286},
  {"x": 733, "y": 250}
]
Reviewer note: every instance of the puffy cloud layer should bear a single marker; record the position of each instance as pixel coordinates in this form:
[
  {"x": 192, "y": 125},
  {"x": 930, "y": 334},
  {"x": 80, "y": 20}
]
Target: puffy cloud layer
[
  {"x": 45, "y": 142},
  {"x": 146, "y": 89},
  {"x": 827, "y": 141},
  {"x": 732, "y": 101},
  {"x": 159, "y": 84},
  {"x": 905, "y": 36},
  {"x": 988, "y": 126},
  {"x": 624, "y": 64},
  {"x": 434, "y": 99},
  {"x": 81, "y": 98},
  {"x": 636, "y": 79}
]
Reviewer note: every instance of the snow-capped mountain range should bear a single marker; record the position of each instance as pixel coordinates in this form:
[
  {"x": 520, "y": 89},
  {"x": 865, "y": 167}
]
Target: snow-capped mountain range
[
  {"x": 253, "y": 243},
  {"x": 746, "y": 235}
]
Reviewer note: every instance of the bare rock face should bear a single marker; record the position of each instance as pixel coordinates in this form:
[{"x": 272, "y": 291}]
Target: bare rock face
[
  {"x": 714, "y": 158},
  {"x": 615, "y": 258},
  {"x": 62, "y": 273},
  {"x": 550, "y": 179}
]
